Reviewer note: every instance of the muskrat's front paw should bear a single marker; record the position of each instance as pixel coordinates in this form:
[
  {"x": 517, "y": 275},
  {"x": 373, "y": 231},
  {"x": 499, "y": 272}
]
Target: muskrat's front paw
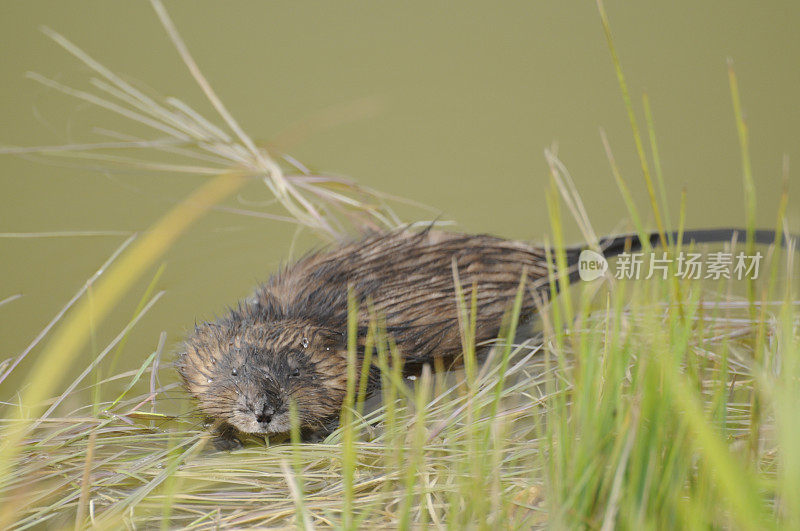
[
  {"x": 319, "y": 435},
  {"x": 315, "y": 436},
  {"x": 226, "y": 443}
]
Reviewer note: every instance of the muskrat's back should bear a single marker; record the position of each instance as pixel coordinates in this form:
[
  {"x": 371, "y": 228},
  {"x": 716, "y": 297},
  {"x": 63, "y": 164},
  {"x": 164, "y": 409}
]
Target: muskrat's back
[{"x": 408, "y": 280}]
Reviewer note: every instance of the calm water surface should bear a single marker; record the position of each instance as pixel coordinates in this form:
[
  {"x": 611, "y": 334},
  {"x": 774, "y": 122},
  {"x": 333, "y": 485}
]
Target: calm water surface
[{"x": 450, "y": 106}]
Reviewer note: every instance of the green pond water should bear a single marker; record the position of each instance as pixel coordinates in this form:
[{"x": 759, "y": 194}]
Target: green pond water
[{"x": 448, "y": 104}]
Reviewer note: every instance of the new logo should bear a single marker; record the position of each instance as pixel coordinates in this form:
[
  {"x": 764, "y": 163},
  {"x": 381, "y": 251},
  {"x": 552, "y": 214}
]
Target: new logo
[{"x": 591, "y": 265}]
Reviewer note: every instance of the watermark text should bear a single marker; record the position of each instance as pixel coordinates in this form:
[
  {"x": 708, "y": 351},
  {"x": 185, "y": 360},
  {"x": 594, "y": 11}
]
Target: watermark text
[{"x": 685, "y": 265}]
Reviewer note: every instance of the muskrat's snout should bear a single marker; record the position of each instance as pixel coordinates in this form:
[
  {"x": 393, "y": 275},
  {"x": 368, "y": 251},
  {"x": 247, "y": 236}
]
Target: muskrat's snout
[
  {"x": 262, "y": 396},
  {"x": 265, "y": 415},
  {"x": 260, "y": 413}
]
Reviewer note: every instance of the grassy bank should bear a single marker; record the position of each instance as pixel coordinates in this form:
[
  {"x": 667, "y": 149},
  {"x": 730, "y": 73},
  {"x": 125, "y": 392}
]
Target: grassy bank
[
  {"x": 641, "y": 404},
  {"x": 653, "y": 410}
]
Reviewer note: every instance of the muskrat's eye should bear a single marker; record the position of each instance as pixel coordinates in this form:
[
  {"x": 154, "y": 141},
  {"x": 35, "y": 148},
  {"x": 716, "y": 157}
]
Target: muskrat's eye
[{"x": 295, "y": 373}]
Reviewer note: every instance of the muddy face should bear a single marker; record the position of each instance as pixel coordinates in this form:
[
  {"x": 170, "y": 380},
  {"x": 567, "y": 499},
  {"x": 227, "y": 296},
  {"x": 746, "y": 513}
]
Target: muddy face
[{"x": 247, "y": 376}]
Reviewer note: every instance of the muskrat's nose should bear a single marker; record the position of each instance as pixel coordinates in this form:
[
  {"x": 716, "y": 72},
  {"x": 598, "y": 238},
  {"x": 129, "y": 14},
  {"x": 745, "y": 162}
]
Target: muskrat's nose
[{"x": 265, "y": 416}]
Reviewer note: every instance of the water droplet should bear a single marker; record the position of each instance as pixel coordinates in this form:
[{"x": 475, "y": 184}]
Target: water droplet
[
  {"x": 304, "y": 342},
  {"x": 327, "y": 348},
  {"x": 234, "y": 372},
  {"x": 412, "y": 377},
  {"x": 210, "y": 380}
]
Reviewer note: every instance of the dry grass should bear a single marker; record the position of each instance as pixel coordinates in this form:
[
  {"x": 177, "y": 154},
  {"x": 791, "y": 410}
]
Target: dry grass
[
  {"x": 641, "y": 405},
  {"x": 634, "y": 415}
]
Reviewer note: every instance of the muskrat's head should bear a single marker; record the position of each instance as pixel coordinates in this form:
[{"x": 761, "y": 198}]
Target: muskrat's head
[{"x": 246, "y": 372}]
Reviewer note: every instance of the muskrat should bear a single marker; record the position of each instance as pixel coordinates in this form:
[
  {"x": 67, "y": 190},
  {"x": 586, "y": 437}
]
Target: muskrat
[{"x": 288, "y": 342}]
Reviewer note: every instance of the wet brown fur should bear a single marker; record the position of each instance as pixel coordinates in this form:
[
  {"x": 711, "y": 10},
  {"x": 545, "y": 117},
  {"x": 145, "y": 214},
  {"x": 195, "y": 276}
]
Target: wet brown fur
[
  {"x": 408, "y": 279},
  {"x": 288, "y": 343}
]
